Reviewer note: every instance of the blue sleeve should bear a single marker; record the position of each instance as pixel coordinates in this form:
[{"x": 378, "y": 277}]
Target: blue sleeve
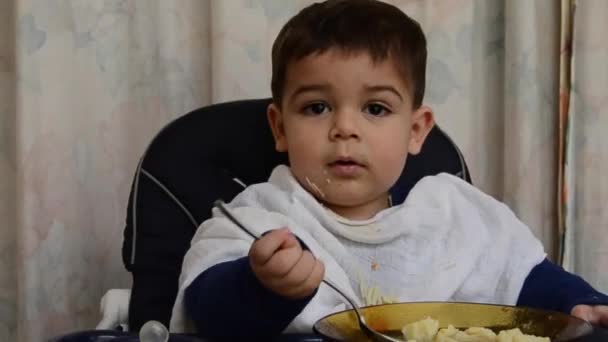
[
  {"x": 227, "y": 302},
  {"x": 550, "y": 287}
]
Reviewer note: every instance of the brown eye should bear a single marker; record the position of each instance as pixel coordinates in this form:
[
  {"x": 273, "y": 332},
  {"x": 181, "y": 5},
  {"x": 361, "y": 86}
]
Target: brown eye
[
  {"x": 317, "y": 108},
  {"x": 376, "y": 109}
]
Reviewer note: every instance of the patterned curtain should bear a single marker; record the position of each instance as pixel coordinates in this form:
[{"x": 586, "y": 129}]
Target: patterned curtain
[{"x": 84, "y": 85}]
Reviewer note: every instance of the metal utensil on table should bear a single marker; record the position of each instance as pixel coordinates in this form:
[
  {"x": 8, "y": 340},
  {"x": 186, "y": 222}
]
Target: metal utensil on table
[
  {"x": 153, "y": 331},
  {"x": 370, "y": 332}
]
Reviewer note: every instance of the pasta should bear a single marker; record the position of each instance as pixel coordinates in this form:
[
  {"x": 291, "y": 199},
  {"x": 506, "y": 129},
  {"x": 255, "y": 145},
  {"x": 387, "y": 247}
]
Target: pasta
[
  {"x": 372, "y": 296},
  {"x": 427, "y": 330}
]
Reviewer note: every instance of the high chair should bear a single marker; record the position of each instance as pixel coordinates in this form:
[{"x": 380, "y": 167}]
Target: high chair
[{"x": 212, "y": 153}]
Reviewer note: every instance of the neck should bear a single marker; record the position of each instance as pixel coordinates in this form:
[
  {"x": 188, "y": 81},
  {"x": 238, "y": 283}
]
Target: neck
[{"x": 363, "y": 211}]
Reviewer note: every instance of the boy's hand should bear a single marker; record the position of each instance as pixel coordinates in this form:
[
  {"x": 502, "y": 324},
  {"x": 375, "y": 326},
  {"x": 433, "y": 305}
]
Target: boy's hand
[
  {"x": 594, "y": 314},
  {"x": 280, "y": 264}
]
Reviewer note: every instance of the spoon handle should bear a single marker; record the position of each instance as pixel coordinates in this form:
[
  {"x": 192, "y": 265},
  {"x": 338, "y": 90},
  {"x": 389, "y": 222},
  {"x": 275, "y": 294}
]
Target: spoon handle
[
  {"x": 222, "y": 207},
  {"x": 224, "y": 210}
]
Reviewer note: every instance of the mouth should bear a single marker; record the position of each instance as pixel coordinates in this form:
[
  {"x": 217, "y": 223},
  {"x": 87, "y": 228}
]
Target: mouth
[
  {"x": 346, "y": 161},
  {"x": 346, "y": 167}
]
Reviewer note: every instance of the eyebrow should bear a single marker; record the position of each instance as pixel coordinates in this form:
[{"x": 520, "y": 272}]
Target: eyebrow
[
  {"x": 379, "y": 88},
  {"x": 310, "y": 87},
  {"x": 325, "y": 87}
]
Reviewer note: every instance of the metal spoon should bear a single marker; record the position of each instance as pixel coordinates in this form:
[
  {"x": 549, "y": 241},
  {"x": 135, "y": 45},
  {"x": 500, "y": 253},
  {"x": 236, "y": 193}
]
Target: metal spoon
[{"x": 370, "y": 332}]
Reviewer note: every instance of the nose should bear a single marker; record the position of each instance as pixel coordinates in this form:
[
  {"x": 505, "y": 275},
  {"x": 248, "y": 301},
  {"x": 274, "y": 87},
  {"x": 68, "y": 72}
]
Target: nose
[{"x": 344, "y": 126}]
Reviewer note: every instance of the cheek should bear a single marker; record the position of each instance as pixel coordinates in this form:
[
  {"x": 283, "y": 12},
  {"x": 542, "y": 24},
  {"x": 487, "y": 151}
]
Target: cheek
[
  {"x": 392, "y": 154},
  {"x": 304, "y": 141},
  {"x": 304, "y": 151},
  {"x": 305, "y": 156},
  {"x": 300, "y": 131},
  {"x": 391, "y": 164}
]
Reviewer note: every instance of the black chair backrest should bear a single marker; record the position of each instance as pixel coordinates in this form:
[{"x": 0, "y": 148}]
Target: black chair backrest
[{"x": 212, "y": 153}]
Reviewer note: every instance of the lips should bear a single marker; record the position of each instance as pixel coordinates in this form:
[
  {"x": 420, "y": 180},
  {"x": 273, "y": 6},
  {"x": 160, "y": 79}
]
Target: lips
[
  {"x": 347, "y": 161},
  {"x": 346, "y": 167},
  {"x": 344, "y": 163}
]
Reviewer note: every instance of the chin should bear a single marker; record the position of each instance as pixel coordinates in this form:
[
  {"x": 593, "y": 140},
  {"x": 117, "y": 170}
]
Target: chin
[{"x": 346, "y": 201}]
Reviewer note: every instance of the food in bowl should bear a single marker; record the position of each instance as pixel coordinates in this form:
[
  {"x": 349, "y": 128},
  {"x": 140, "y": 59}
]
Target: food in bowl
[{"x": 427, "y": 330}]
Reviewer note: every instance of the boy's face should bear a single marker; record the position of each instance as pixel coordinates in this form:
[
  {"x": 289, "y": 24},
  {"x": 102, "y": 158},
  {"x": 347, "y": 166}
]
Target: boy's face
[{"x": 347, "y": 124}]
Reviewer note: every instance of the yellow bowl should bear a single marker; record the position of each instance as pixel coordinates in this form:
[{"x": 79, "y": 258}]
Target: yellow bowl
[{"x": 390, "y": 318}]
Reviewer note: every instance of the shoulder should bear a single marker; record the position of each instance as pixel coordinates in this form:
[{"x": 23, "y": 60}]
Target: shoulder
[
  {"x": 448, "y": 188},
  {"x": 280, "y": 186},
  {"x": 257, "y": 220},
  {"x": 444, "y": 182},
  {"x": 441, "y": 189},
  {"x": 460, "y": 200},
  {"x": 263, "y": 206}
]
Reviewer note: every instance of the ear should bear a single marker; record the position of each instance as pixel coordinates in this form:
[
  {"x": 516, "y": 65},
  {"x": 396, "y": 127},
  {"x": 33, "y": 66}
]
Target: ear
[
  {"x": 422, "y": 122},
  {"x": 275, "y": 119}
]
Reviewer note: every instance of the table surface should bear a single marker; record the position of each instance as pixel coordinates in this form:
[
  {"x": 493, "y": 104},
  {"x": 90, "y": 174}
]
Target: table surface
[{"x": 600, "y": 335}]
